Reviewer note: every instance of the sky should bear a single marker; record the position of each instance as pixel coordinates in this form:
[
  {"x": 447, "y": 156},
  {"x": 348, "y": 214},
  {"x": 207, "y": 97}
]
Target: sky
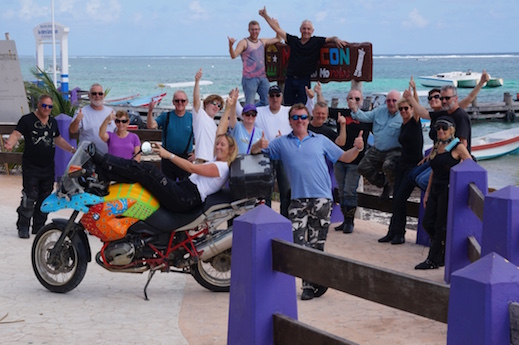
[{"x": 201, "y": 28}]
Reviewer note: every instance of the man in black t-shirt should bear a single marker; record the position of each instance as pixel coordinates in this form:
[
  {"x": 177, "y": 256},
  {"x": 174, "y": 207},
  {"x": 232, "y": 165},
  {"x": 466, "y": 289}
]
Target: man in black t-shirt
[
  {"x": 304, "y": 54},
  {"x": 41, "y": 134}
]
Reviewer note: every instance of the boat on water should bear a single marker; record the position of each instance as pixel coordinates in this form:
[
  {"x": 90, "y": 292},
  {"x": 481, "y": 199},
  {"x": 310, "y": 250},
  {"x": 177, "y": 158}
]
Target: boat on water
[
  {"x": 466, "y": 79},
  {"x": 121, "y": 99},
  {"x": 495, "y": 144},
  {"x": 141, "y": 101}
]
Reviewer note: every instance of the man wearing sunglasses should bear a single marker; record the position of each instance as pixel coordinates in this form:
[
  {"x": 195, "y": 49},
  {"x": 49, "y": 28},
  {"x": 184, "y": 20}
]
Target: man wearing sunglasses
[
  {"x": 444, "y": 102},
  {"x": 304, "y": 155},
  {"x": 379, "y": 162},
  {"x": 304, "y": 54},
  {"x": 177, "y": 133},
  {"x": 41, "y": 134},
  {"x": 89, "y": 119}
]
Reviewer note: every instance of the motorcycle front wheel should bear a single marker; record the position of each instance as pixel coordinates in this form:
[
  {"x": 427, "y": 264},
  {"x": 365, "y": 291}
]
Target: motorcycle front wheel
[
  {"x": 214, "y": 274},
  {"x": 65, "y": 271}
]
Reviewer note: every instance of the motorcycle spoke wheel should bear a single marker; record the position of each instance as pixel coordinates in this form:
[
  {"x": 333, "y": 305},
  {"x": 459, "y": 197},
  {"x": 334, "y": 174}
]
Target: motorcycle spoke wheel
[
  {"x": 64, "y": 272},
  {"x": 214, "y": 274}
]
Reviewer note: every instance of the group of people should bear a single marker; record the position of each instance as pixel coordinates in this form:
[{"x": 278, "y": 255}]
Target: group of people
[{"x": 285, "y": 124}]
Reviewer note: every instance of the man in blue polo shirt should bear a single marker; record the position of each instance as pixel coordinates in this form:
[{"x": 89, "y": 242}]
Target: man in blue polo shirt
[{"x": 304, "y": 155}]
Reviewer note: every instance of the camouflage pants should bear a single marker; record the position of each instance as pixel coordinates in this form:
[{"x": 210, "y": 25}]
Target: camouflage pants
[
  {"x": 378, "y": 167},
  {"x": 310, "y": 219}
]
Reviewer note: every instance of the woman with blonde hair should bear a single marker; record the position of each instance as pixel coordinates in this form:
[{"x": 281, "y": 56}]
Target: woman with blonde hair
[{"x": 447, "y": 152}]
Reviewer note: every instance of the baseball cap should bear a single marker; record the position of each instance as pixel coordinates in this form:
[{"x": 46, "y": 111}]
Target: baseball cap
[
  {"x": 449, "y": 121},
  {"x": 274, "y": 89},
  {"x": 249, "y": 107}
]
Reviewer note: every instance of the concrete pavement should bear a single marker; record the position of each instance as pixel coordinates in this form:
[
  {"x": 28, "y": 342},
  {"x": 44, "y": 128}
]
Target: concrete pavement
[{"x": 108, "y": 308}]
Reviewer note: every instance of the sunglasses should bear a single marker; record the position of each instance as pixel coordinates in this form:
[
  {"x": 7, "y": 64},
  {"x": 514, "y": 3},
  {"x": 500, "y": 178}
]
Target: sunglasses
[
  {"x": 97, "y": 93},
  {"x": 45, "y": 106},
  {"x": 180, "y": 101},
  {"x": 277, "y": 95},
  {"x": 442, "y": 126},
  {"x": 217, "y": 104},
  {"x": 447, "y": 98},
  {"x": 435, "y": 97},
  {"x": 354, "y": 98},
  {"x": 403, "y": 108},
  {"x": 391, "y": 100},
  {"x": 119, "y": 121},
  {"x": 250, "y": 113},
  {"x": 299, "y": 117}
]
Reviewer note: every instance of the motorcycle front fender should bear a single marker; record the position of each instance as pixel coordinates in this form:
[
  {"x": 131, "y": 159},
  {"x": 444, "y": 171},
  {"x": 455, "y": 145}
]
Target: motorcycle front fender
[{"x": 79, "y": 238}]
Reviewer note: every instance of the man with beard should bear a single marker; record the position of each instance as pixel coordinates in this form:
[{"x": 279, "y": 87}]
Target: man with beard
[{"x": 88, "y": 120}]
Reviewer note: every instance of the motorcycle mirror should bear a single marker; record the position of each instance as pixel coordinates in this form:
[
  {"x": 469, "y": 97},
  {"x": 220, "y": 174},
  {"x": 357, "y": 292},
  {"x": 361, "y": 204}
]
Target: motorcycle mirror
[{"x": 146, "y": 147}]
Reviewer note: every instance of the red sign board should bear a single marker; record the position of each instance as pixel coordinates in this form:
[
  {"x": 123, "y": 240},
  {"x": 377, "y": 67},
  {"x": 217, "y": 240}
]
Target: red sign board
[{"x": 353, "y": 62}]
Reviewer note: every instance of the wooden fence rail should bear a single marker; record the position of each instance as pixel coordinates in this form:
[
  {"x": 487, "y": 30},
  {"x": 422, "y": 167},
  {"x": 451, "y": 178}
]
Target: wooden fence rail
[{"x": 391, "y": 288}]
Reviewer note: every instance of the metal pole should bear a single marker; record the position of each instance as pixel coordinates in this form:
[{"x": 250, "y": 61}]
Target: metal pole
[{"x": 54, "y": 75}]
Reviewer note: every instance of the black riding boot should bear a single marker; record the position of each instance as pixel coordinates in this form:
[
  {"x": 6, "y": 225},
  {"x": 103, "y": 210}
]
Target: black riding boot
[{"x": 349, "y": 216}]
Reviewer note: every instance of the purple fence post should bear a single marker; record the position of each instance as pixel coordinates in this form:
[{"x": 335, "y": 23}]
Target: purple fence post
[
  {"x": 501, "y": 224},
  {"x": 478, "y": 302},
  {"x": 336, "y": 215},
  {"x": 61, "y": 158},
  {"x": 257, "y": 291},
  {"x": 461, "y": 221}
]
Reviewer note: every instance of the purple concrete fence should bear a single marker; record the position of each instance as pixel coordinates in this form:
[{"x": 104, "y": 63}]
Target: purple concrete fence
[
  {"x": 61, "y": 158},
  {"x": 257, "y": 291},
  {"x": 478, "y": 302},
  {"x": 501, "y": 224},
  {"x": 461, "y": 221}
]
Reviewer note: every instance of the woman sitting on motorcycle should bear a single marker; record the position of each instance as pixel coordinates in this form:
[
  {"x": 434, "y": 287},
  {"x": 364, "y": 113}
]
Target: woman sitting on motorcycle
[{"x": 177, "y": 196}]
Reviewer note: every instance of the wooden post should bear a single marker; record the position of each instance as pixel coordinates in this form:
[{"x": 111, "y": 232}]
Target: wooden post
[
  {"x": 335, "y": 102},
  {"x": 500, "y": 224},
  {"x": 478, "y": 302},
  {"x": 461, "y": 221},
  {"x": 257, "y": 291}
]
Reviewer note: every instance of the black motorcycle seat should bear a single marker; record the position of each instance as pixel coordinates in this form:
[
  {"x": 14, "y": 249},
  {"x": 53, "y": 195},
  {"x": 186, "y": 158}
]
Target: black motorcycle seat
[{"x": 167, "y": 221}]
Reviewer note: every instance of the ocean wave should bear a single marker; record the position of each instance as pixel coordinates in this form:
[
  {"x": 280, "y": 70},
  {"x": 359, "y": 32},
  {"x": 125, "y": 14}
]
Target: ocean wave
[{"x": 447, "y": 56}]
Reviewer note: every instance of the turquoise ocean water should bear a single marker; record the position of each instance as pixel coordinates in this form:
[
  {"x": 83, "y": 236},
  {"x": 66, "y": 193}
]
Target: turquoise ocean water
[{"x": 126, "y": 75}]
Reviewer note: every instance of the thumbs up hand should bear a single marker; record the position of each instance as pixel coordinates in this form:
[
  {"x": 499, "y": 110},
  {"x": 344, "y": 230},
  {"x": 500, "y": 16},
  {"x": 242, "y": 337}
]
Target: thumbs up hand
[{"x": 359, "y": 142}]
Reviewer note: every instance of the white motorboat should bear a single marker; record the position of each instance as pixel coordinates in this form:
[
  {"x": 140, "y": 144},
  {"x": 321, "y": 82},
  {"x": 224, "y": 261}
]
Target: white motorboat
[
  {"x": 467, "y": 79},
  {"x": 495, "y": 144}
]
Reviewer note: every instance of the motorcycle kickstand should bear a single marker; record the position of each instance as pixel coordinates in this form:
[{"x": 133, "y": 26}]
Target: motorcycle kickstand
[{"x": 150, "y": 275}]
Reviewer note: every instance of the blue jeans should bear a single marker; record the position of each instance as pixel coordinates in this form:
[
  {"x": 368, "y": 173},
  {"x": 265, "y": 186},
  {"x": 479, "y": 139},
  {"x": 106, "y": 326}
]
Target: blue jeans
[
  {"x": 420, "y": 175},
  {"x": 253, "y": 85},
  {"x": 295, "y": 90},
  {"x": 347, "y": 177}
]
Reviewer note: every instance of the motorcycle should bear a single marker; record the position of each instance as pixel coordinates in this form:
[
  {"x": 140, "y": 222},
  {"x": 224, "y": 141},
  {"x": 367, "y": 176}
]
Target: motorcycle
[{"x": 137, "y": 234}]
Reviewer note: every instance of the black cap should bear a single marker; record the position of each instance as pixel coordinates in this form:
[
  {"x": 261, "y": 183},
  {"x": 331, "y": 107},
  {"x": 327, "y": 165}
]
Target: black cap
[
  {"x": 446, "y": 120},
  {"x": 274, "y": 89}
]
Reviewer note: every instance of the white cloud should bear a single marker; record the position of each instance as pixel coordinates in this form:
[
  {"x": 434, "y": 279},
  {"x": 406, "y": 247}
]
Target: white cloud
[
  {"x": 103, "y": 11},
  {"x": 196, "y": 9},
  {"x": 320, "y": 16},
  {"x": 415, "y": 19},
  {"x": 65, "y": 6},
  {"x": 30, "y": 10}
]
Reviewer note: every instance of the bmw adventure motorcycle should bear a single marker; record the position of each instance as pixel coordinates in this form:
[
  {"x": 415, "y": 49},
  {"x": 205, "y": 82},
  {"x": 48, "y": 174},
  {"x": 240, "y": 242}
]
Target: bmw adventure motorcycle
[{"x": 137, "y": 234}]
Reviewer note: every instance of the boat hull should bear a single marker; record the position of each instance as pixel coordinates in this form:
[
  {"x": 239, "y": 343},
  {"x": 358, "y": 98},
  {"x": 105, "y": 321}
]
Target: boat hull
[{"x": 496, "y": 144}]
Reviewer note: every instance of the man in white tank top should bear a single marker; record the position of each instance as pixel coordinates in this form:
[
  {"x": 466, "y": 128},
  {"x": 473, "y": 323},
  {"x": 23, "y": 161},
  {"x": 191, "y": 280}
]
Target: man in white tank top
[{"x": 252, "y": 52}]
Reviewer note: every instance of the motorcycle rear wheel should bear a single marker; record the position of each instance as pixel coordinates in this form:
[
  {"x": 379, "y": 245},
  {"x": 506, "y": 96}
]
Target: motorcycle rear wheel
[
  {"x": 214, "y": 274},
  {"x": 67, "y": 271}
]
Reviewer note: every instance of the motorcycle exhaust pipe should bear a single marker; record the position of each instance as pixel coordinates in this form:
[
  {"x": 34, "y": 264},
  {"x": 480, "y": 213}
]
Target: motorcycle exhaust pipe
[
  {"x": 100, "y": 262},
  {"x": 218, "y": 243}
]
